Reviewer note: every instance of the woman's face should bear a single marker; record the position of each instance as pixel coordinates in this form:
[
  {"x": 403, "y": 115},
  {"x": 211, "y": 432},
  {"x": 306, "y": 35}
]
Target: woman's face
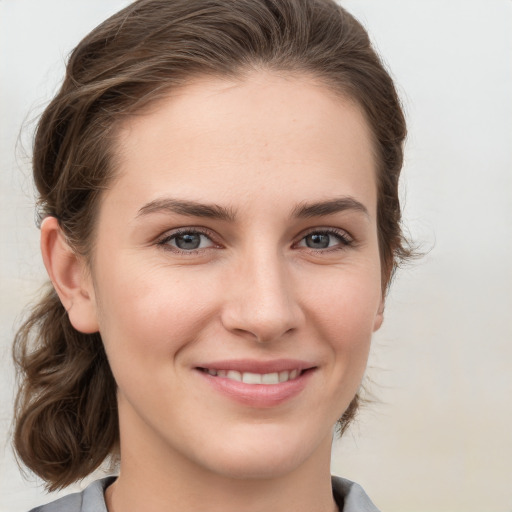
[{"x": 236, "y": 278}]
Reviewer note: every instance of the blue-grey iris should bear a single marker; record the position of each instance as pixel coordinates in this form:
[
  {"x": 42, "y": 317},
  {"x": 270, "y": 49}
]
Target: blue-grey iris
[
  {"x": 318, "y": 241},
  {"x": 188, "y": 241}
]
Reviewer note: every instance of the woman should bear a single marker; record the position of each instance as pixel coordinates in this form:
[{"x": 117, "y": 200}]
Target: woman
[{"x": 220, "y": 222}]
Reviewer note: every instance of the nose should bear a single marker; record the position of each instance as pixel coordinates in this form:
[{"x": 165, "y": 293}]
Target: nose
[{"x": 260, "y": 300}]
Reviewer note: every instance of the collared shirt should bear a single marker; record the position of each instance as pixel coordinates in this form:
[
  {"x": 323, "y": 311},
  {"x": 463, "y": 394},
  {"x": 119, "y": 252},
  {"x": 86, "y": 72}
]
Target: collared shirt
[{"x": 348, "y": 495}]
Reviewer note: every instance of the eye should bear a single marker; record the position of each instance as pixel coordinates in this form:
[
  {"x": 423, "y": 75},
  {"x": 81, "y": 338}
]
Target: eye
[
  {"x": 187, "y": 241},
  {"x": 325, "y": 239}
]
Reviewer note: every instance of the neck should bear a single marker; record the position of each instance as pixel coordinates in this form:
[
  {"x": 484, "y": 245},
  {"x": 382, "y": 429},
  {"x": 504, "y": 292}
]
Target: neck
[
  {"x": 220, "y": 495},
  {"x": 157, "y": 479}
]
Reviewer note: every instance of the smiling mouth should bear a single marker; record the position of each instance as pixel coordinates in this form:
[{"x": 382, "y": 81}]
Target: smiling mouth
[{"x": 255, "y": 378}]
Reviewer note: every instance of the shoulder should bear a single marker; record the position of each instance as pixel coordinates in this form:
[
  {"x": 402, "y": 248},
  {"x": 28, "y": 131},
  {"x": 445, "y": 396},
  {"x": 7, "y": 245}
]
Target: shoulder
[
  {"x": 91, "y": 499},
  {"x": 350, "y": 497}
]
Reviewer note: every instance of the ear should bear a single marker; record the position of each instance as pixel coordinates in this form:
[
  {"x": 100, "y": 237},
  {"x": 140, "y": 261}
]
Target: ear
[
  {"x": 70, "y": 277},
  {"x": 379, "y": 317}
]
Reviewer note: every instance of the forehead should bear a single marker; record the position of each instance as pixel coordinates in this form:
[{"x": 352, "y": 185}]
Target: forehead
[{"x": 263, "y": 130}]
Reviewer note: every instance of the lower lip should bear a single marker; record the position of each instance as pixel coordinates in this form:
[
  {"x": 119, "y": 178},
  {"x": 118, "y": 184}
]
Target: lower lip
[{"x": 258, "y": 395}]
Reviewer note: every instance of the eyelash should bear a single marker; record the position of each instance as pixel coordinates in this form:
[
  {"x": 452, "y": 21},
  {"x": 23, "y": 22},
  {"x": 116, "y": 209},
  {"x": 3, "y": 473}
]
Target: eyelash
[
  {"x": 164, "y": 241},
  {"x": 345, "y": 240}
]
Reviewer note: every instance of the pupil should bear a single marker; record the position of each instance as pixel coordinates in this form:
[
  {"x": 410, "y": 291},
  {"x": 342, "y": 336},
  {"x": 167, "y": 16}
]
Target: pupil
[
  {"x": 188, "y": 241},
  {"x": 317, "y": 241}
]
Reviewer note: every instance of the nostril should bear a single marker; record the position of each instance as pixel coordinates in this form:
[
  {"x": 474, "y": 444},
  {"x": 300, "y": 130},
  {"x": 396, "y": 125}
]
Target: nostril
[{"x": 263, "y": 309}]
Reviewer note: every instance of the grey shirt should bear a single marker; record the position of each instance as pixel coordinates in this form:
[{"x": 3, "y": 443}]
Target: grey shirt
[{"x": 348, "y": 495}]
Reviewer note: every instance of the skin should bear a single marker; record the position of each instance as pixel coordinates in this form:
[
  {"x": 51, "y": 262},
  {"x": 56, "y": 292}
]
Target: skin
[{"x": 261, "y": 148}]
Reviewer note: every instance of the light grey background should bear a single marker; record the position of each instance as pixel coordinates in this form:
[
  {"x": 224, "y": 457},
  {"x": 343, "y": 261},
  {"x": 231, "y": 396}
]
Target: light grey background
[{"x": 440, "y": 438}]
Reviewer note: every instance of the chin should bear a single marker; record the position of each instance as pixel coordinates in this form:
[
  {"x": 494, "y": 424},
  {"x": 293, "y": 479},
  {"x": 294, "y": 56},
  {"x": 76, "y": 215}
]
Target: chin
[
  {"x": 259, "y": 467},
  {"x": 267, "y": 454}
]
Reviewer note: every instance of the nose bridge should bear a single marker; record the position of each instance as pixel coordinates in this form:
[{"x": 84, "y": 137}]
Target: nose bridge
[{"x": 262, "y": 301}]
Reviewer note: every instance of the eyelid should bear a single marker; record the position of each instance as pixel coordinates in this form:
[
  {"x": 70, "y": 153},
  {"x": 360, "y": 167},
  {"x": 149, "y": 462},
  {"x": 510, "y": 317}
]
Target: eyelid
[
  {"x": 346, "y": 239},
  {"x": 163, "y": 239}
]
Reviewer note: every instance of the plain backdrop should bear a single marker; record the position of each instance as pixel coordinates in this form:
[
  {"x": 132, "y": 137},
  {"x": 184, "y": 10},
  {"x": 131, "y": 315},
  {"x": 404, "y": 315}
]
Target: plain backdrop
[{"x": 439, "y": 435}]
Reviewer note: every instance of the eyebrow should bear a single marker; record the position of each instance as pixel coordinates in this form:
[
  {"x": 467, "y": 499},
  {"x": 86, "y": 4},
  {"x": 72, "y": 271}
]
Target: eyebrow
[
  {"x": 329, "y": 207},
  {"x": 190, "y": 208},
  {"x": 215, "y": 211}
]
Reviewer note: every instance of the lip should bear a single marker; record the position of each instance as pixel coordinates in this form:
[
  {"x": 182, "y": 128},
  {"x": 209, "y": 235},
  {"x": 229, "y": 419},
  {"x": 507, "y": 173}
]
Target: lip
[
  {"x": 254, "y": 366},
  {"x": 257, "y": 395}
]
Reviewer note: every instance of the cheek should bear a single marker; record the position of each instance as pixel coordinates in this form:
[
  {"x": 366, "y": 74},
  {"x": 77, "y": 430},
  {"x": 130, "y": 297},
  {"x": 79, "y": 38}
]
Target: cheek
[
  {"x": 154, "y": 313},
  {"x": 346, "y": 309}
]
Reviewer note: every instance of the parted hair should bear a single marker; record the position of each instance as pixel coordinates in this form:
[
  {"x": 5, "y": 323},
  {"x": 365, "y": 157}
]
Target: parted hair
[{"x": 66, "y": 421}]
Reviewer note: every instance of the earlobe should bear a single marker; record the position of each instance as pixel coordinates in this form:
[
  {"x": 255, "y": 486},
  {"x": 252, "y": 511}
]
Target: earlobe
[
  {"x": 69, "y": 276},
  {"x": 379, "y": 317}
]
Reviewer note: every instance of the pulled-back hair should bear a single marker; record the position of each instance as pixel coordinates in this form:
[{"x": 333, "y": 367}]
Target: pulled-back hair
[{"x": 66, "y": 420}]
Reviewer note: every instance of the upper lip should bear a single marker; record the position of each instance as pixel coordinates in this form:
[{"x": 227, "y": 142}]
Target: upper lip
[{"x": 254, "y": 366}]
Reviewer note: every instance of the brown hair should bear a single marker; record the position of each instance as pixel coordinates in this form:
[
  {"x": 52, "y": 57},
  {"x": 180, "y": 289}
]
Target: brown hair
[{"x": 66, "y": 413}]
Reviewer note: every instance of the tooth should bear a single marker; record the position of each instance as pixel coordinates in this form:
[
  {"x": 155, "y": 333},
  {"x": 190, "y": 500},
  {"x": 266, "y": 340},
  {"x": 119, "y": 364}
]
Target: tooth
[
  {"x": 234, "y": 375},
  {"x": 251, "y": 378},
  {"x": 284, "y": 376},
  {"x": 255, "y": 378},
  {"x": 270, "y": 378}
]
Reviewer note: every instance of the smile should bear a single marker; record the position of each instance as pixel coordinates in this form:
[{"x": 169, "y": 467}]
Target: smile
[
  {"x": 257, "y": 384},
  {"x": 255, "y": 378}
]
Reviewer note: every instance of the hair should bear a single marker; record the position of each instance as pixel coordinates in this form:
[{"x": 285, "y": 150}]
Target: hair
[{"x": 66, "y": 421}]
